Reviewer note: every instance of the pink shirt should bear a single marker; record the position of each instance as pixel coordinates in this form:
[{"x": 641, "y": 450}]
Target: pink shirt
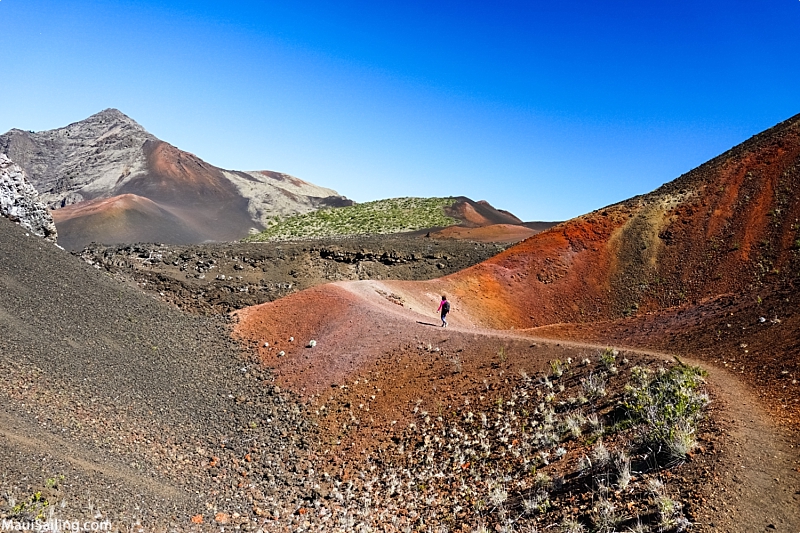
[{"x": 441, "y": 304}]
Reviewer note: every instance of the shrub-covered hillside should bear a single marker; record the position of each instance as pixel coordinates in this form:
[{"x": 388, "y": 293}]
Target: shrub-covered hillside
[{"x": 393, "y": 215}]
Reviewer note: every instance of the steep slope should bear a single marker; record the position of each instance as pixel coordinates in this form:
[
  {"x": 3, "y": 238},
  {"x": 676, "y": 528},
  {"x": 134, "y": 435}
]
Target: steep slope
[
  {"x": 731, "y": 225},
  {"x": 109, "y": 154},
  {"x": 126, "y": 405},
  {"x": 728, "y": 230},
  {"x": 707, "y": 266},
  {"x": 82, "y": 161}
]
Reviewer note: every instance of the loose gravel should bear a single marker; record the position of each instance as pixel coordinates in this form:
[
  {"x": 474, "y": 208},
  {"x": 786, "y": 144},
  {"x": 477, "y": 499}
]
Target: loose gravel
[{"x": 151, "y": 416}]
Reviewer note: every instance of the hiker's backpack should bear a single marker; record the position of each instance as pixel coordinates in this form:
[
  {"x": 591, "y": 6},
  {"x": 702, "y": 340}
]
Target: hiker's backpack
[{"x": 446, "y": 307}]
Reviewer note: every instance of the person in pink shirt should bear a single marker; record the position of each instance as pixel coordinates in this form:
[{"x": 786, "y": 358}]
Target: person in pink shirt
[{"x": 444, "y": 307}]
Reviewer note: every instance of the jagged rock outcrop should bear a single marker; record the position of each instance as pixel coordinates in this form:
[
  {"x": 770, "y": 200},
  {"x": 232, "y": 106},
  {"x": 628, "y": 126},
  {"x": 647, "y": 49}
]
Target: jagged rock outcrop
[
  {"x": 19, "y": 201},
  {"x": 110, "y": 181}
]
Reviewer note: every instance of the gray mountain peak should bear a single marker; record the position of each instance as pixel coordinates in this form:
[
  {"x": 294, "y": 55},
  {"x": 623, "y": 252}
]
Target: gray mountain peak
[
  {"x": 109, "y": 156},
  {"x": 81, "y": 161}
]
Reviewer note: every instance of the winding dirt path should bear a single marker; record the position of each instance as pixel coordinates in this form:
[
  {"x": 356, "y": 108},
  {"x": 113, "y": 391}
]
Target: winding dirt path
[
  {"x": 758, "y": 488},
  {"x": 753, "y": 484}
]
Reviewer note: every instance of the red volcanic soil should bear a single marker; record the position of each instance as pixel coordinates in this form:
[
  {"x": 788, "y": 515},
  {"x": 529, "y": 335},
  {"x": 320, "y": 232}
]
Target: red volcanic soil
[
  {"x": 730, "y": 226},
  {"x": 357, "y": 325},
  {"x": 480, "y": 222},
  {"x": 707, "y": 267},
  {"x": 493, "y": 233},
  {"x": 181, "y": 199},
  {"x": 124, "y": 218},
  {"x": 352, "y": 321},
  {"x": 378, "y": 357},
  {"x": 753, "y": 335},
  {"x": 178, "y": 177},
  {"x": 193, "y": 189}
]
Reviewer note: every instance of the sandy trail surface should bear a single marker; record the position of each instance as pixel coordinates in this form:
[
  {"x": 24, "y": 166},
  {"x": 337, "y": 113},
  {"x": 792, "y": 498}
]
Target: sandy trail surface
[{"x": 751, "y": 483}]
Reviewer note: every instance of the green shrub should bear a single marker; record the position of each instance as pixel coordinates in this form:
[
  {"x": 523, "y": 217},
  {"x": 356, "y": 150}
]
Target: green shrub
[
  {"x": 393, "y": 215},
  {"x": 557, "y": 368},
  {"x": 669, "y": 403}
]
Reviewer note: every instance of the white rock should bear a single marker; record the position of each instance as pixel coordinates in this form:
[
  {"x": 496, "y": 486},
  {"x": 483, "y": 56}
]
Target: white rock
[{"x": 19, "y": 201}]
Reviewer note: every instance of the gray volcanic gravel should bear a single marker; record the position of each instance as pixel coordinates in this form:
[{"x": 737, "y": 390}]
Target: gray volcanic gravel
[
  {"x": 151, "y": 416},
  {"x": 219, "y": 278}
]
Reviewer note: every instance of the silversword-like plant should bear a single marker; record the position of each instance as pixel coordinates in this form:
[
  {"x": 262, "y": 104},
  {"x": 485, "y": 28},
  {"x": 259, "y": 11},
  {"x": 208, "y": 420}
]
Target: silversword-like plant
[
  {"x": 595, "y": 386},
  {"x": 570, "y": 525},
  {"x": 600, "y": 455},
  {"x": 622, "y": 464}
]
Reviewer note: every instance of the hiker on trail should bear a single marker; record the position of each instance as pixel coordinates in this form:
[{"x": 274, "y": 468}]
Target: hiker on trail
[{"x": 444, "y": 307}]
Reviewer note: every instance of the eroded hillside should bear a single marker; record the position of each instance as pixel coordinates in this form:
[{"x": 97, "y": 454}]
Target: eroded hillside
[
  {"x": 732, "y": 225},
  {"x": 705, "y": 267}
]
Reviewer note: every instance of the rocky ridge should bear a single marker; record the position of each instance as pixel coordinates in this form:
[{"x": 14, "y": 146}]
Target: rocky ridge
[
  {"x": 160, "y": 188},
  {"x": 82, "y": 161},
  {"x": 19, "y": 201}
]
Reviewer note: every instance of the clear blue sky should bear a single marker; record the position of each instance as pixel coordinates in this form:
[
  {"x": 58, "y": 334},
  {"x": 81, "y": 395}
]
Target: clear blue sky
[{"x": 547, "y": 109}]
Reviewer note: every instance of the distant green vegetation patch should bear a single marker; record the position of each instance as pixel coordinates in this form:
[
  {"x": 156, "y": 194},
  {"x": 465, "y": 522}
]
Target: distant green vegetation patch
[{"x": 394, "y": 215}]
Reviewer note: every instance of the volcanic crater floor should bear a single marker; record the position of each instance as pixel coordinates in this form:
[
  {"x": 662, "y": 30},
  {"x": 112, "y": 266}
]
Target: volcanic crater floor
[{"x": 129, "y": 410}]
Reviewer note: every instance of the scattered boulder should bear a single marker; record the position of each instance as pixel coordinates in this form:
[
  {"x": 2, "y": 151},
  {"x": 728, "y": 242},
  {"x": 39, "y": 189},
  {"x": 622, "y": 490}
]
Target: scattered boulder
[{"x": 19, "y": 201}]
